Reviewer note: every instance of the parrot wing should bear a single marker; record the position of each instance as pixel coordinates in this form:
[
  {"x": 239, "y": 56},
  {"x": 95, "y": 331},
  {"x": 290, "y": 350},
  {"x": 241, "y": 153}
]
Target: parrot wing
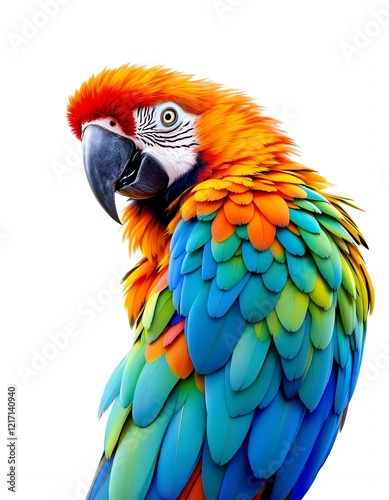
[{"x": 247, "y": 351}]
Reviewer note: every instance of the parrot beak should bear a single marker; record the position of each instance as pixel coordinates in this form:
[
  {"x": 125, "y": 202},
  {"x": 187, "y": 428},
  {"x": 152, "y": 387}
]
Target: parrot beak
[{"x": 113, "y": 164}]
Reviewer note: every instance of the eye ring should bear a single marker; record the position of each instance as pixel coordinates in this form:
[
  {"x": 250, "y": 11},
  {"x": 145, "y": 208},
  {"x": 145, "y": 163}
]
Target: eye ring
[
  {"x": 113, "y": 123},
  {"x": 169, "y": 117}
]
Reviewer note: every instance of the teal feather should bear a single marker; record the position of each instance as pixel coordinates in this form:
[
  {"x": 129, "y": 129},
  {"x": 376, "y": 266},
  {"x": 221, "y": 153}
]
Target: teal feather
[
  {"x": 313, "y": 195},
  {"x": 329, "y": 209},
  {"x": 274, "y": 385},
  {"x": 303, "y": 272},
  {"x": 342, "y": 392},
  {"x": 307, "y": 205},
  {"x": 200, "y": 234},
  {"x": 242, "y": 232},
  {"x": 192, "y": 261},
  {"x": 211, "y": 340},
  {"x": 230, "y": 273},
  {"x": 220, "y": 301},
  {"x": 281, "y": 420},
  {"x": 322, "y": 327},
  {"x": 255, "y": 261},
  {"x": 182, "y": 442},
  {"x": 291, "y": 242},
  {"x": 318, "y": 243},
  {"x": 246, "y": 400},
  {"x": 304, "y": 220},
  {"x": 155, "y": 383},
  {"x": 335, "y": 227},
  {"x": 330, "y": 267},
  {"x": 256, "y": 301},
  {"x": 288, "y": 344},
  {"x": 207, "y": 217},
  {"x": 275, "y": 277},
  {"x": 248, "y": 358},
  {"x": 290, "y": 387},
  {"x": 226, "y": 249},
  {"x": 358, "y": 336},
  {"x": 135, "y": 363},
  {"x": 296, "y": 366},
  {"x": 342, "y": 343},
  {"x": 112, "y": 387},
  {"x": 225, "y": 434},
  {"x": 213, "y": 474},
  {"x": 315, "y": 381},
  {"x": 137, "y": 454},
  {"x": 209, "y": 264}
]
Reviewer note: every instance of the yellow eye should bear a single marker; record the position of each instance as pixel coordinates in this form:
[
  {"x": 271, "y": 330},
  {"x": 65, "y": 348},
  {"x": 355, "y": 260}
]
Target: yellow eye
[{"x": 168, "y": 116}]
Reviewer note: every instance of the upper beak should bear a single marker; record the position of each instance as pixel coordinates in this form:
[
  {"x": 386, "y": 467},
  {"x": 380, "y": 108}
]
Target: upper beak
[{"x": 112, "y": 163}]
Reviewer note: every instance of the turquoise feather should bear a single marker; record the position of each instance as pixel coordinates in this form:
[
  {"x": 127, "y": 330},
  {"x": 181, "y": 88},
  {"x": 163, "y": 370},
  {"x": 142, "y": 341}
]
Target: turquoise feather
[
  {"x": 342, "y": 393},
  {"x": 192, "y": 286},
  {"x": 220, "y": 301},
  {"x": 242, "y": 232},
  {"x": 304, "y": 220},
  {"x": 313, "y": 195},
  {"x": 335, "y": 227},
  {"x": 192, "y": 261},
  {"x": 315, "y": 381},
  {"x": 182, "y": 442},
  {"x": 134, "y": 365},
  {"x": 288, "y": 344},
  {"x": 255, "y": 261},
  {"x": 295, "y": 367},
  {"x": 225, "y": 434},
  {"x": 330, "y": 267},
  {"x": 342, "y": 343},
  {"x": 246, "y": 400},
  {"x": 291, "y": 242},
  {"x": 116, "y": 419},
  {"x": 274, "y": 385},
  {"x": 230, "y": 273},
  {"x": 303, "y": 272},
  {"x": 247, "y": 358},
  {"x": 275, "y": 277},
  {"x": 112, "y": 387},
  {"x": 256, "y": 301},
  {"x": 213, "y": 474},
  {"x": 318, "y": 243},
  {"x": 211, "y": 340},
  {"x": 199, "y": 235},
  {"x": 155, "y": 383}
]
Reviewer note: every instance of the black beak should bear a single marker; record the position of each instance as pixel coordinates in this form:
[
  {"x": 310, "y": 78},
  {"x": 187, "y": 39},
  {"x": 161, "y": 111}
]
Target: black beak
[{"x": 113, "y": 164}]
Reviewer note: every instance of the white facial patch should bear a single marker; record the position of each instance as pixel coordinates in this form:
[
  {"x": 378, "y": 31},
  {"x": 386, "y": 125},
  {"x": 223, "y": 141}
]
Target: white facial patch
[{"x": 167, "y": 133}]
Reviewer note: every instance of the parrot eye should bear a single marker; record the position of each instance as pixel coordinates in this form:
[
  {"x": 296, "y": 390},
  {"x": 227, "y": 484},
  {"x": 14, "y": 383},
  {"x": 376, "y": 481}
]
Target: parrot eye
[
  {"x": 112, "y": 123},
  {"x": 169, "y": 116}
]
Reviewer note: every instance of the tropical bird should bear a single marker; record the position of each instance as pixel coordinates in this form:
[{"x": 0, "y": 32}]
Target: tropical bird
[{"x": 249, "y": 303}]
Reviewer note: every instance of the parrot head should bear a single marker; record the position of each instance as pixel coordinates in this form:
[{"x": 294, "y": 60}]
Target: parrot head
[{"x": 150, "y": 134}]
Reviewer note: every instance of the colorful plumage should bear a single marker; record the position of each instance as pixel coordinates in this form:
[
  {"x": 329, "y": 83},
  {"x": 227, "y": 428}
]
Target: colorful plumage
[{"x": 249, "y": 302}]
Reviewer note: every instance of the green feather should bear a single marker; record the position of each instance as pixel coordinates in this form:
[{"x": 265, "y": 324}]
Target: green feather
[
  {"x": 303, "y": 272},
  {"x": 137, "y": 454},
  {"x": 322, "y": 327},
  {"x": 307, "y": 205},
  {"x": 162, "y": 314},
  {"x": 331, "y": 267},
  {"x": 318, "y": 243},
  {"x": 115, "y": 423},
  {"x": 292, "y": 307},
  {"x": 348, "y": 280},
  {"x": 347, "y": 310},
  {"x": 335, "y": 227},
  {"x": 322, "y": 295}
]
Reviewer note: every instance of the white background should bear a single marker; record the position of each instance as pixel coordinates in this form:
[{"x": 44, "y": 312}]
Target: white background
[{"x": 307, "y": 63}]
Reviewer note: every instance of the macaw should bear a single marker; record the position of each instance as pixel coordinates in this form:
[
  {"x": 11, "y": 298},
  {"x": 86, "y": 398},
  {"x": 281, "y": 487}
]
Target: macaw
[{"x": 249, "y": 302}]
